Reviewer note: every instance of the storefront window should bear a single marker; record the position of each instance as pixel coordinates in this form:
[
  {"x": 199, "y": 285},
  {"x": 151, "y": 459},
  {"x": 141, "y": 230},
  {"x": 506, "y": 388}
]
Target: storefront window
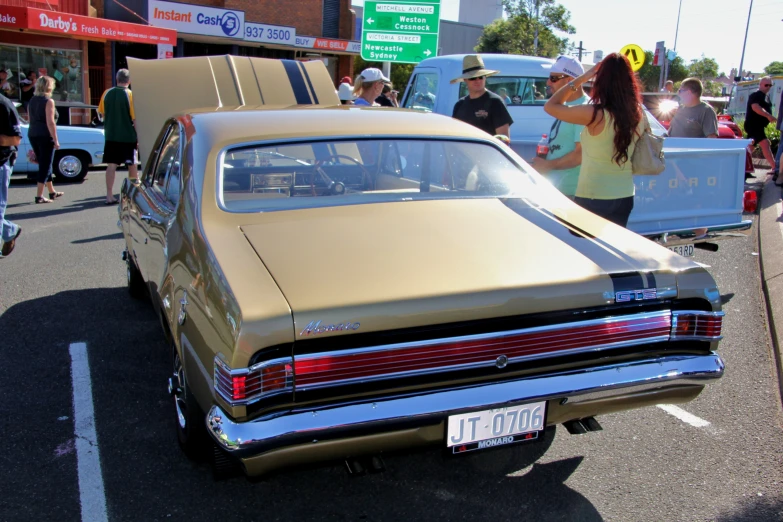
[{"x": 65, "y": 66}]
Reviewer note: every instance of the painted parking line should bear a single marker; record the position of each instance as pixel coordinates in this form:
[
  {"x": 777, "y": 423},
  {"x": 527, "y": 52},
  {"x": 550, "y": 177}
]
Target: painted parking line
[
  {"x": 684, "y": 416},
  {"x": 91, "y": 493}
]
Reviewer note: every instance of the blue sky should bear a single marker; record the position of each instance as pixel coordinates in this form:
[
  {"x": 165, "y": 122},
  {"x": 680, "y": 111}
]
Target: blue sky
[{"x": 715, "y": 28}]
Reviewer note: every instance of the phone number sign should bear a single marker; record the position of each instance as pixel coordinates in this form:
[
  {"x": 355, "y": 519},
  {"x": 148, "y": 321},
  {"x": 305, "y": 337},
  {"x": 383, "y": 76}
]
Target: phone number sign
[
  {"x": 400, "y": 31},
  {"x": 274, "y": 34}
]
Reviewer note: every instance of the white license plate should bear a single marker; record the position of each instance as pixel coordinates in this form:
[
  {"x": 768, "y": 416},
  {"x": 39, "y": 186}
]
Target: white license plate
[
  {"x": 683, "y": 250},
  {"x": 490, "y": 428}
]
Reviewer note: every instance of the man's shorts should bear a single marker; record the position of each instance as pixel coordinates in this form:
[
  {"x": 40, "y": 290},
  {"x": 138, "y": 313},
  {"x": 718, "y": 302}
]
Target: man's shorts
[
  {"x": 120, "y": 153},
  {"x": 757, "y": 135}
]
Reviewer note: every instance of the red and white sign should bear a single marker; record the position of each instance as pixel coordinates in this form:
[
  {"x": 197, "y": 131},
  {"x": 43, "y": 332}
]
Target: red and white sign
[
  {"x": 66, "y": 24},
  {"x": 328, "y": 44}
]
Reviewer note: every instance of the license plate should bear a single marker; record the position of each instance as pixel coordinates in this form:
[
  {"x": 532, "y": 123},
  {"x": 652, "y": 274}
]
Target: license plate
[
  {"x": 492, "y": 428},
  {"x": 683, "y": 250}
]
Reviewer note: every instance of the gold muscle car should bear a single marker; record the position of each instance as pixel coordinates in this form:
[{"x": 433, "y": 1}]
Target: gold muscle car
[{"x": 338, "y": 282}]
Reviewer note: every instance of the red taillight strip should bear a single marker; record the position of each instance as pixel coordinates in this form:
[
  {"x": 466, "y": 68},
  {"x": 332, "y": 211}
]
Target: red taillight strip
[
  {"x": 697, "y": 325},
  {"x": 480, "y": 350},
  {"x": 246, "y": 385}
]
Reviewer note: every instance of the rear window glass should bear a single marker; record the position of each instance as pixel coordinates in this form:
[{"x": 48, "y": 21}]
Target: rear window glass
[
  {"x": 515, "y": 90},
  {"x": 336, "y": 172}
]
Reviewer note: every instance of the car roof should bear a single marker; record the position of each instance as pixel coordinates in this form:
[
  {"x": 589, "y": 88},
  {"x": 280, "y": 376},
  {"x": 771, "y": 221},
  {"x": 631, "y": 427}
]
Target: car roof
[
  {"x": 225, "y": 125},
  {"x": 505, "y": 63}
]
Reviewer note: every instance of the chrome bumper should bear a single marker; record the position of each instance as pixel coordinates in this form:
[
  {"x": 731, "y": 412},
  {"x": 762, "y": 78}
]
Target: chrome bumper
[{"x": 246, "y": 439}]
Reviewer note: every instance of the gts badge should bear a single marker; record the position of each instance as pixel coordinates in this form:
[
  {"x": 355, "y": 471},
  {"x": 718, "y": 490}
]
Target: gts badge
[
  {"x": 315, "y": 328},
  {"x": 636, "y": 295}
]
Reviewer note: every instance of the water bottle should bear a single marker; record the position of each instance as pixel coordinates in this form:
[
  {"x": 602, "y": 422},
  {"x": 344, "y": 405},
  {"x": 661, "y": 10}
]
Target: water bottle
[{"x": 542, "y": 149}]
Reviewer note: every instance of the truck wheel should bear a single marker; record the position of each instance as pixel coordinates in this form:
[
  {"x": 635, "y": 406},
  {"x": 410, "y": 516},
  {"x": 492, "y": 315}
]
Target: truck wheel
[
  {"x": 70, "y": 165},
  {"x": 136, "y": 286},
  {"x": 189, "y": 418}
]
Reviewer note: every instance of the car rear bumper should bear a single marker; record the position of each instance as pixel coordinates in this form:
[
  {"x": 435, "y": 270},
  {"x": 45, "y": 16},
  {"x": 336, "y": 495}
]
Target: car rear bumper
[{"x": 573, "y": 395}]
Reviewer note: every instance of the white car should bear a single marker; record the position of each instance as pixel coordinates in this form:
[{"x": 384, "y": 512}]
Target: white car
[{"x": 80, "y": 147}]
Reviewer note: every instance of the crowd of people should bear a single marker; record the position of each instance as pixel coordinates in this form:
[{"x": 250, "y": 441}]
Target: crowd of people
[{"x": 120, "y": 147}]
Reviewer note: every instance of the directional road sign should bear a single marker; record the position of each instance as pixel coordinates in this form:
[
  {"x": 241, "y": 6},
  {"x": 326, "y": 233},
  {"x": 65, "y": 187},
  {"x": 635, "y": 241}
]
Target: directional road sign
[{"x": 401, "y": 31}]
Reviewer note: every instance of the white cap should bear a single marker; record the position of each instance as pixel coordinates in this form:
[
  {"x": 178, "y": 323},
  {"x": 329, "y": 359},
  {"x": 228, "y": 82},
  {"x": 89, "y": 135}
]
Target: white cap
[
  {"x": 345, "y": 92},
  {"x": 373, "y": 75},
  {"x": 567, "y": 65}
]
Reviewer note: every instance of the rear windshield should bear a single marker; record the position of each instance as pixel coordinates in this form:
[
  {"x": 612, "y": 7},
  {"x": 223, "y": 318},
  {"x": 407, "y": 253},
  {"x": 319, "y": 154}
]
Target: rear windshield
[
  {"x": 337, "y": 172},
  {"x": 515, "y": 90}
]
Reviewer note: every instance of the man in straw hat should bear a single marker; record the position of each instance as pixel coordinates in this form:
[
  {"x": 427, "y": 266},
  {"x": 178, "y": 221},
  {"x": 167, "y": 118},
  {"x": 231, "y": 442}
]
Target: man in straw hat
[{"x": 481, "y": 108}]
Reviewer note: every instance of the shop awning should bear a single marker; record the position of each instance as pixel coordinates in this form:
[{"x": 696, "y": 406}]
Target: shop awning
[{"x": 82, "y": 27}]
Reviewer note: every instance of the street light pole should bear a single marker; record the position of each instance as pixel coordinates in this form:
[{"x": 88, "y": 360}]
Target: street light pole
[
  {"x": 677, "y": 30},
  {"x": 738, "y": 78}
]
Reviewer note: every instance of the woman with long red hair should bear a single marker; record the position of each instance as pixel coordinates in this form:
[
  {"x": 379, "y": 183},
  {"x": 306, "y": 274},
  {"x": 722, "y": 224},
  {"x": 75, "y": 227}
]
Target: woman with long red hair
[{"x": 613, "y": 122}]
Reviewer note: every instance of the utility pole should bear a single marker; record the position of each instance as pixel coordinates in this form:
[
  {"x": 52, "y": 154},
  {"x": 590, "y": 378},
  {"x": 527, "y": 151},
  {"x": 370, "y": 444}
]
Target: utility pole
[
  {"x": 738, "y": 78},
  {"x": 535, "y": 38},
  {"x": 580, "y": 49},
  {"x": 665, "y": 68}
]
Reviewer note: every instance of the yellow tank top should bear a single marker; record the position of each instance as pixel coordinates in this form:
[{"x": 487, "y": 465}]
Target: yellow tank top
[{"x": 600, "y": 177}]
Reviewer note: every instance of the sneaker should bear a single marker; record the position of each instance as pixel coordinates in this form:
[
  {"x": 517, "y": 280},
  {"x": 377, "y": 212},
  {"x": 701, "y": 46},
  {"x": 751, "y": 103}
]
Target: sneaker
[{"x": 8, "y": 246}]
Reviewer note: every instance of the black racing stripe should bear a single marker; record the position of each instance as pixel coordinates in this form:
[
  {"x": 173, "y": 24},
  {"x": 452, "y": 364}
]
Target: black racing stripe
[
  {"x": 623, "y": 275},
  {"x": 650, "y": 279},
  {"x": 309, "y": 83},
  {"x": 297, "y": 82}
]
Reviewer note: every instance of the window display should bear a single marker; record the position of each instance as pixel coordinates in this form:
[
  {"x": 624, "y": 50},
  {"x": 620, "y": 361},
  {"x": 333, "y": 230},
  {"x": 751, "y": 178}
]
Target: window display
[{"x": 65, "y": 66}]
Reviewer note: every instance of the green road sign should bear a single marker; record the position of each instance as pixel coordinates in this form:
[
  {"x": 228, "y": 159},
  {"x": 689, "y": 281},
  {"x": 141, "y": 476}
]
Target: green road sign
[{"x": 400, "y": 31}]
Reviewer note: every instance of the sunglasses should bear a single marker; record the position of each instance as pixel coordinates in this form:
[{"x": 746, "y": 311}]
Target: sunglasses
[
  {"x": 476, "y": 78},
  {"x": 766, "y": 85},
  {"x": 555, "y": 79}
]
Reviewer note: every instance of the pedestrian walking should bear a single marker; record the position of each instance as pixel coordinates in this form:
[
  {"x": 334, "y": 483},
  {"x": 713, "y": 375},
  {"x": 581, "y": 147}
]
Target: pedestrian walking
[
  {"x": 758, "y": 115},
  {"x": 561, "y": 165},
  {"x": 10, "y": 138},
  {"x": 42, "y": 134},
  {"x": 116, "y": 111},
  {"x": 28, "y": 88},
  {"x": 613, "y": 122},
  {"x": 778, "y": 171},
  {"x": 481, "y": 108}
]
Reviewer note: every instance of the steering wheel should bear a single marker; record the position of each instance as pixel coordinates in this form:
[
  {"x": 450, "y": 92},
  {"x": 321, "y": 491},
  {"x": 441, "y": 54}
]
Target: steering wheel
[{"x": 336, "y": 187}]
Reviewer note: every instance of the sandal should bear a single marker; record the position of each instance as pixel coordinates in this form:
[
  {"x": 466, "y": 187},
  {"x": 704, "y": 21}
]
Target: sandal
[
  {"x": 55, "y": 195},
  {"x": 41, "y": 199}
]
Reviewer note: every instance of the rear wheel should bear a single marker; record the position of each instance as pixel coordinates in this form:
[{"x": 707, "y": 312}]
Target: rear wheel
[
  {"x": 70, "y": 165},
  {"x": 188, "y": 416}
]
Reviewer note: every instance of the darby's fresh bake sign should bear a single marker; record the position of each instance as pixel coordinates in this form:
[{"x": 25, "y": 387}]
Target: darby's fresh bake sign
[{"x": 97, "y": 28}]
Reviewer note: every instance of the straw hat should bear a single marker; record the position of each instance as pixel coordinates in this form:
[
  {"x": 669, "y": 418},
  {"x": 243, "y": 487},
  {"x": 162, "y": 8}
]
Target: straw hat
[{"x": 472, "y": 67}]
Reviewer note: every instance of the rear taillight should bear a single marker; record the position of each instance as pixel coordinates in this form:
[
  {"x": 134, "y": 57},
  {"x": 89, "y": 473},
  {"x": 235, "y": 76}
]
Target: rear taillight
[
  {"x": 696, "y": 325},
  {"x": 750, "y": 201},
  {"x": 245, "y": 385}
]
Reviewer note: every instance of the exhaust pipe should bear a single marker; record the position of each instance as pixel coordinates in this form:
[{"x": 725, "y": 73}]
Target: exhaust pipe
[
  {"x": 580, "y": 426},
  {"x": 357, "y": 467}
]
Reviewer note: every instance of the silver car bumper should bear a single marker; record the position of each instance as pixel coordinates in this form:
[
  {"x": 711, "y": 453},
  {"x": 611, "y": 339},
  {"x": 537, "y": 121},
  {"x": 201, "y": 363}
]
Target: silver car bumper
[{"x": 246, "y": 439}]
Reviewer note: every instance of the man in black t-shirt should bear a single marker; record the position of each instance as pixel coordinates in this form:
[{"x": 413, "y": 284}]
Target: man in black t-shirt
[
  {"x": 481, "y": 108},
  {"x": 10, "y": 137},
  {"x": 757, "y": 116}
]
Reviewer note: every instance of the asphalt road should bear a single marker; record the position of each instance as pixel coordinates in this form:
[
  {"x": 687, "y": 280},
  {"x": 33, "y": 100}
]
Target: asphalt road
[{"x": 65, "y": 284}]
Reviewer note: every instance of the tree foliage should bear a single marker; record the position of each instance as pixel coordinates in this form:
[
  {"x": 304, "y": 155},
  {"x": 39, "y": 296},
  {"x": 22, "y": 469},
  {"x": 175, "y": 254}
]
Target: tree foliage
[
  {"x": 650, "y": 74},
  {"x": 516, "y": 34},
  {"x": 774, "y": 69},
  {"x": 703, "y": 68}
]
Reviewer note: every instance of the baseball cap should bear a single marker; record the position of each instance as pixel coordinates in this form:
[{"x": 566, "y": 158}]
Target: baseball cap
[
  {"x": 567, "y": 65},
  {"x": 373, "y": 75},
  {"x": 345, "y": 92}
]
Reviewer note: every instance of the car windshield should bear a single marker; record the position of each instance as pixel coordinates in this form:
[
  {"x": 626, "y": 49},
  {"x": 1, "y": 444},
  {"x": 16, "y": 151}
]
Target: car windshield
[
  {"x": 343, "y": 172},
  {"x": 514, "y": 90}
]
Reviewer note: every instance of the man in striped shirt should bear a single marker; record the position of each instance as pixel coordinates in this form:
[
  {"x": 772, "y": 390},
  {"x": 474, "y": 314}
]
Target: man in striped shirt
[{"x": 116, "y": 111}]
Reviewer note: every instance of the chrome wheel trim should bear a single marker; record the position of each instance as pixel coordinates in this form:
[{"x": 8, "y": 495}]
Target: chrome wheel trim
[
  {"x": 179, "y": 393},
  {"x": 70, "y": 166}
]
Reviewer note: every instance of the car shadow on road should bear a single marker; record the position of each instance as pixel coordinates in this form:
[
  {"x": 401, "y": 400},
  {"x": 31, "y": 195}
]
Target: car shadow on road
[
  {"x": 57, "y": 208},
  {"x": 107, "y": 237}
]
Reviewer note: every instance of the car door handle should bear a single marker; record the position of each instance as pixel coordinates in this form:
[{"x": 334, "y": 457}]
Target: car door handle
[{"x": 150, "y": 219}]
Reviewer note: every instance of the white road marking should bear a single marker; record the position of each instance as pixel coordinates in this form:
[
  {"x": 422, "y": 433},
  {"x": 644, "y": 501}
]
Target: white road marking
[
  {"x": 779, "y": 206},
  {"x": 91, "y": 493},
  {"x": 684, "y": 416}
]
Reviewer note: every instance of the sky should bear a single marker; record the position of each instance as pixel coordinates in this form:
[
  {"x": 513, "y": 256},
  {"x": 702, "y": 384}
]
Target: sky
[{"x": 715, "y": 28}]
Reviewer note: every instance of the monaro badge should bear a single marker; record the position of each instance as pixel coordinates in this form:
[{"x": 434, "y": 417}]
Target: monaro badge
[
  {"x": 636, "y": 295},
  {"x": 315, "y": 328}
]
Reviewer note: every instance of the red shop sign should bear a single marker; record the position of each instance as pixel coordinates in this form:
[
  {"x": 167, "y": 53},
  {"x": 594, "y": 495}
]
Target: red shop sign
[
  {"x": 66, "y": 24},
  {"x": 331, "y": 45},
  {"x": 15, "y": 17}
]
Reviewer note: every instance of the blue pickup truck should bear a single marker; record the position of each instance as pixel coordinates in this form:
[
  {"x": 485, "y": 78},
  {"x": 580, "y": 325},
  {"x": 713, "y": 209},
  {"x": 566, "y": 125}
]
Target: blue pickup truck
[{"x": 703, "y": 186}]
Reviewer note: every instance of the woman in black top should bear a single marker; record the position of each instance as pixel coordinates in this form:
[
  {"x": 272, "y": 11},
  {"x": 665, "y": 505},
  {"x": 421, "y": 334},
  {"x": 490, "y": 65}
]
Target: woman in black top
[{"x": 43, "y": 136}]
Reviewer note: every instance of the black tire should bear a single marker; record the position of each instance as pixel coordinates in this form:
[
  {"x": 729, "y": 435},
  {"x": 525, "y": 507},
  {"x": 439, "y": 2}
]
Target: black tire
[
  {"x": 70, "y": 165},
  {"x": 136, "y": 286},
  {"x": 189, "y": 418}
]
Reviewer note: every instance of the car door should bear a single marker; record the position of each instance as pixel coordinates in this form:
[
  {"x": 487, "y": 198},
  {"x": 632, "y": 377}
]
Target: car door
[{"x": 157, "y": 205}]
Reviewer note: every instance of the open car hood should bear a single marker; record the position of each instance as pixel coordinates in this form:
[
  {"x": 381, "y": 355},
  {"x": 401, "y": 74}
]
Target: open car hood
[
  {"x": 212, "y": 82},
  {"x": 407, "y": 264}
]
